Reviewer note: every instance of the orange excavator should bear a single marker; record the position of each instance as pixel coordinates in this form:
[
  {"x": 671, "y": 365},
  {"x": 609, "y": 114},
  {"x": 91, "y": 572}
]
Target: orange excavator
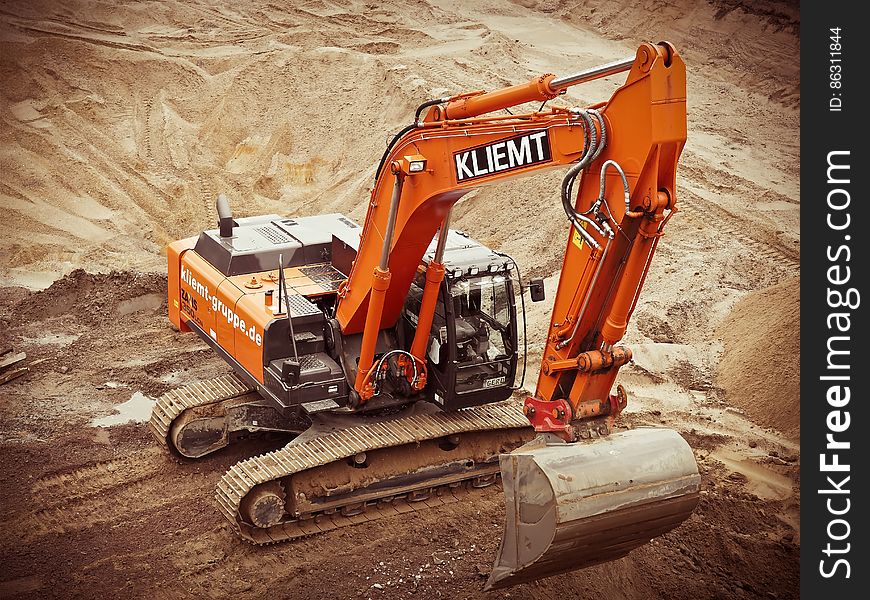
[{"x": 390, "y": 352}]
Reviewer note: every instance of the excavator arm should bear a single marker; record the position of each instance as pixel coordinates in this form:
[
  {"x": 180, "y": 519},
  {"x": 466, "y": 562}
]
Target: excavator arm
[
  {"x": 410, "y": 206},
  {"x": 629, "y": 191},
  {"x": 580, "y": 494},
  {"x": 627, "y": 150}
]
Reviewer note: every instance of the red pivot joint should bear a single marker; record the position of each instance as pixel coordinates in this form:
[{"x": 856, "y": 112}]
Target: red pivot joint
[{"x": 549, "y": 416}]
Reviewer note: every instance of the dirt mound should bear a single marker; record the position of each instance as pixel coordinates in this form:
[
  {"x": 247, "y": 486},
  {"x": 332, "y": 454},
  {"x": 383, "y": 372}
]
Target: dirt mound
[
  {"x": 83, "y": 294},
  {"x": 121, "y": 127},
  {"x": 762, "y": 357}
]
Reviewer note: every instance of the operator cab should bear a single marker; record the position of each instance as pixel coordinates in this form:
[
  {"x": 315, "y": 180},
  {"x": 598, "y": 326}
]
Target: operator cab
[{"x": 472, "y": 353}]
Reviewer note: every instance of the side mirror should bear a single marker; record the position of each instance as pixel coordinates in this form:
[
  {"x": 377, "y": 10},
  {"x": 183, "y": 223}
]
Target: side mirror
[{"x": 536, "y": 290}]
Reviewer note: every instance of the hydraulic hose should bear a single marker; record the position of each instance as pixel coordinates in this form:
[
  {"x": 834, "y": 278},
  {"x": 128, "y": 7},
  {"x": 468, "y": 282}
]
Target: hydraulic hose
[
  {"x": 392, "y": 143},
  {"x": 376, "y": 368},
  {"x": 405, "y": 130},
  {"x": 426, "y": 105},
  {"x": 626, "y": 191},
  {"x": 593, "y": 148}
]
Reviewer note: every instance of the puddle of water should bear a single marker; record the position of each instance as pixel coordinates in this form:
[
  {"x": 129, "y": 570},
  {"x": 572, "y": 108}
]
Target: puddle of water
[
  {"x": 33, "y": 280},
  {"x": 135, "y": 410}
]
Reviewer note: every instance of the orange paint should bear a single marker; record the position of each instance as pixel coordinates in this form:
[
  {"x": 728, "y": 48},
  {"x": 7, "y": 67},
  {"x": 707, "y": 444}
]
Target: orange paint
[
  {"x": 226, "y": 309},
  {"x": 647, "y": 127}
]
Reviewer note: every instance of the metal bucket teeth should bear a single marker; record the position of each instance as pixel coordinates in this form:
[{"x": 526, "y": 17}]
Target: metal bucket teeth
[{"x": 570, "y": 506}]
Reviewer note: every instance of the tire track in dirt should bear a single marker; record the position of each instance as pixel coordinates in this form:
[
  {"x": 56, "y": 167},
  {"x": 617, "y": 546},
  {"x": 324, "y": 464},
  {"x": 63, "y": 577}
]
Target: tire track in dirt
[
  {"x": 237, "y": 25},
  {"x": 207, "y": 191},
  {"x": 763, "y": 244},
  {"x": 105, "y": 493},
  {"x": 133, "y": 195},
  {"x": 97, "y": 40},
  {"x": 103, "y": 28},
  {"x": 87, "y": 481},
  {"x": 147, "y": 151}
]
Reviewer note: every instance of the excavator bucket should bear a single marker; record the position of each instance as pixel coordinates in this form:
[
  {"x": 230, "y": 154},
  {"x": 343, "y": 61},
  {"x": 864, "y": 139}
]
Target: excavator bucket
[{"x": 570, "y": 506}]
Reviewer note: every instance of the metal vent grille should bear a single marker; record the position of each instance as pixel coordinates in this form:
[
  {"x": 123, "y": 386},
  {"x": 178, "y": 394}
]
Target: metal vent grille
[
  {"x": 317, "y": 271},
  {"x": 301, "y": 307},
  {"x": 331, "y": 286},
  {"x": 310, "y": 362},
  {"x": 327, "y": 276},
  {"x": 274, "y": 235}
]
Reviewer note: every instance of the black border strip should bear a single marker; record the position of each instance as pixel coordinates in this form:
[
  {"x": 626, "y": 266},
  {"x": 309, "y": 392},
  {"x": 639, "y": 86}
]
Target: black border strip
[{"x": 833, "y": 262}]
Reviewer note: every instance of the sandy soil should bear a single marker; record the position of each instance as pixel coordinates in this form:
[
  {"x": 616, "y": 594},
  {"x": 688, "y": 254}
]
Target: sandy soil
[{"x": 122, "y": 120}]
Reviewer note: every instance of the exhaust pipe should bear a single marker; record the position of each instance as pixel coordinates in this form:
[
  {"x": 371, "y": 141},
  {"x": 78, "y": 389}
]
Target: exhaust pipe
[
  {"x": 570, "y": 506},
  {"x": 225, "y": 216}
]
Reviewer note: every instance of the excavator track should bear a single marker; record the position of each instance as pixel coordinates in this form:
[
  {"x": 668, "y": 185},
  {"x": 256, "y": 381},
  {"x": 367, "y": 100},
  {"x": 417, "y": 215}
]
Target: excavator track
[
  {"x": 171, "y": 405},
  {"x": 266, "y": 475},
  {"x": 305, "y": 457}
]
